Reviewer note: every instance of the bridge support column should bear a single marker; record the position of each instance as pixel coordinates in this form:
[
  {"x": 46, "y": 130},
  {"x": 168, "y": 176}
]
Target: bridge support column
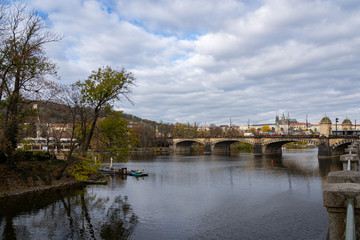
[
  {"x": 342, "y": 185},
  {"x": 207, "y": 149},
  {"x": 183, "y": 148},
  {"x": 258, "y": 150},
  {"x": 221, "y": 148},
  {"x": 324, "y": 148}
]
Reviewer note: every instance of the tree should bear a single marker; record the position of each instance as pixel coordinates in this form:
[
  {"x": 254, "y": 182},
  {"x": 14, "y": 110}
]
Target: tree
[
  {"x": 86, "y": 100},
  {"x": 23, "y": 68},
  {"x": 145, "y": 135},
  {"x": 114, "y": 136},
  {"x": 185, "y": 130},
  {"x": 266, "y": 128},
  {"x": 77, "y": 117},
  {"x": 164, "y": 131},
  {"x": 232, "y": 132},
  {"x": 215, "y": 131},
  {"x": 203, "y": 132},
  {"x": 102, "y": 88},
  {"x": 253, "y": 130}
]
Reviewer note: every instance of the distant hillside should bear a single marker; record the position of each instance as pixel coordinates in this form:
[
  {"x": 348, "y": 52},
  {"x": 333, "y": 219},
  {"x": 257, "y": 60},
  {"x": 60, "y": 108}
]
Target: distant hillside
[
  {"x": 135, "y": 119},
  {"x": 56, "y": 113}
]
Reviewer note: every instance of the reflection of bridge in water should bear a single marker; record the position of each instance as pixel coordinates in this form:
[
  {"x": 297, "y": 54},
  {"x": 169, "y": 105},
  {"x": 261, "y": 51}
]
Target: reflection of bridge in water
[{"x": 328, "y": 146}]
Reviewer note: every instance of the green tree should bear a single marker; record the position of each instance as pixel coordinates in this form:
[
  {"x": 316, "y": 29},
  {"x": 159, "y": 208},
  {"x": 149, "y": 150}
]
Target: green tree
[
  {"x": 114, "y": 136},
  {"x": 23, "y": 68},
  {"x": 83, "y": 168},
  {"x": 102, "y": 88},
  {"x": 184, "y": 130}
]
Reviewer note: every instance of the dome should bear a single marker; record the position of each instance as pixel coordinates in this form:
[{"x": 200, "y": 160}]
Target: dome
[
  {"x": 347, "y": 121},
  {"x": 325, "y": 120}
]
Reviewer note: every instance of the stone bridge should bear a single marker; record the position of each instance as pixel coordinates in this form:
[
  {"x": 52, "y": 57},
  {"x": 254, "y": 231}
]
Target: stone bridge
[{"x": 328, "y": 146}]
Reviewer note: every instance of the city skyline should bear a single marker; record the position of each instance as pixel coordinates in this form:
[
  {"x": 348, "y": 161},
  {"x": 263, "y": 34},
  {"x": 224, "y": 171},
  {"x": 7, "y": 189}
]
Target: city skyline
[{"x": 209, "y": 61}]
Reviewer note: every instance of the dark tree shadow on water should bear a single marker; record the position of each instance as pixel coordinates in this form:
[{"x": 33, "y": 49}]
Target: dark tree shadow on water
[
  {"x": 121, "y": 221},
  {"x": 9, "y": 229},
  {"x": 71, "y": 215}
]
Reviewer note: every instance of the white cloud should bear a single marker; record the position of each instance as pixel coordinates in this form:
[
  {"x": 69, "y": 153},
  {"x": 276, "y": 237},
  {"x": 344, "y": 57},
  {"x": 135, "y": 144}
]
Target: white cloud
[
  {"x": 180, "y": 17},
  {"x": 207, "y": 61}
]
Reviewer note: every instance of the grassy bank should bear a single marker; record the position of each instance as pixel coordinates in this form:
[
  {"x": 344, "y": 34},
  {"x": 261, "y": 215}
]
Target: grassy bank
[{"x": 298, "y": 145}]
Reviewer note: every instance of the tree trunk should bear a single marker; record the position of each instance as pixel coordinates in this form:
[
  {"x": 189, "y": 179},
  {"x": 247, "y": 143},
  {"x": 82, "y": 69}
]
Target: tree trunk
[{"x": 92, "y": 129}]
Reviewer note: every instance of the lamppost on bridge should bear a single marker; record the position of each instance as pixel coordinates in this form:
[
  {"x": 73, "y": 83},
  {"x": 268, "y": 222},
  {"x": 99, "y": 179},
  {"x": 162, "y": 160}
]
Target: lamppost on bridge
[{"x": 336, "y": 121}]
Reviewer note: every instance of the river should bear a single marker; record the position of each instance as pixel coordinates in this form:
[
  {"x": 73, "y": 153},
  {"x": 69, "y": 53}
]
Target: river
[{"x": 241, "y": 196}]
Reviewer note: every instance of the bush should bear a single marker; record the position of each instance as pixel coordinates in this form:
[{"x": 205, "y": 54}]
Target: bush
[
  {"x": 41, "y": 156},
  {"x": 2, "y": 157},
  {"x": 21, "y": 155}
]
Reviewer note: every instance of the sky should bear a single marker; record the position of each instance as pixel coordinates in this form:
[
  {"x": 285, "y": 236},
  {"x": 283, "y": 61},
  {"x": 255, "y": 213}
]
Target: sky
[{"x": 210, "y": 61}]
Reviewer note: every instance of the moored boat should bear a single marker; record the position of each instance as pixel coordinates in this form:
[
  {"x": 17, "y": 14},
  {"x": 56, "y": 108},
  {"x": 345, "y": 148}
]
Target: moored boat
[{"x": 138, "y": 173}]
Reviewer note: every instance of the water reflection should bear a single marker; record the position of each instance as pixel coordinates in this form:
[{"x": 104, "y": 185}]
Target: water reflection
[
  {"x": 78, "y": 214},
  {"x": 187, "y": 197},
  {"x": 232, "y": 197}
]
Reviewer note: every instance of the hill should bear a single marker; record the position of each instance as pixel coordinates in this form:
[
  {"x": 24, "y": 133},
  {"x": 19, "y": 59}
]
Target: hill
[{"x": 56, "y": 113}]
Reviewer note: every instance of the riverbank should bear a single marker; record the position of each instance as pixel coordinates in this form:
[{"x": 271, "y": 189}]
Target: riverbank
[
  {"x": 155, "y": 150},
  {"x": 31, "y": 176},
  {"x": 40, "y": 188},
  {"x": 36, "y": 197}
]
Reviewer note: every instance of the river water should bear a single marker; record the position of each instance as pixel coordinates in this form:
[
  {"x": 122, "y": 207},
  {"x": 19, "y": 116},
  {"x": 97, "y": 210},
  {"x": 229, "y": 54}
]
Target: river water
[{"x": 240, "y": 196}]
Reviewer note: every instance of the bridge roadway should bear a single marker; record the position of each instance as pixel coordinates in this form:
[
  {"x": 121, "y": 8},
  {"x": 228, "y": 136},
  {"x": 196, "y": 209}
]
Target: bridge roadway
[{"x": 328, "y": 146}]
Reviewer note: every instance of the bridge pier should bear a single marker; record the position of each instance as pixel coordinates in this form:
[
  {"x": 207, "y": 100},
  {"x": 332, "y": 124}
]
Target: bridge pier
[
  {"x": 258, "y": 149},
  {"x": 324, "y": 149},
  {"x": 183, "y": 148},
  {"x": 207, "y": 149},
  {"x": 221, "y": 148}
]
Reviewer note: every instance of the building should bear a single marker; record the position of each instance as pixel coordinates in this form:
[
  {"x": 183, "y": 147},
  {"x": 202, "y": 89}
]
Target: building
[{"x": 283, "y": 120}]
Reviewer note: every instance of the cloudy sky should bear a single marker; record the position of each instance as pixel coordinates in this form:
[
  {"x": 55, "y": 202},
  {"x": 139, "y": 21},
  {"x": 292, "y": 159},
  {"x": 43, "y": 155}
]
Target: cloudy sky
[{"x": 209, "y": 60}]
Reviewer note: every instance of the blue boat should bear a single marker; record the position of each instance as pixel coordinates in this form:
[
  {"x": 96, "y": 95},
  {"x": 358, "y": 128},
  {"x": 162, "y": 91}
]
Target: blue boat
[{"x": 138, "y": 173}]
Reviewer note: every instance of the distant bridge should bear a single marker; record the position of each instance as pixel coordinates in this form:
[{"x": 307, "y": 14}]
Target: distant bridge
[{"x": 328, "y": 146}]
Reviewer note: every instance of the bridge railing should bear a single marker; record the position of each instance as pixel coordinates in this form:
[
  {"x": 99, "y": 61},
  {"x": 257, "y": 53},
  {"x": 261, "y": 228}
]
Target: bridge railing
[
  {"x": 257, "y": 136},
  {"x": 341, "y": 196},
  {"x": 350, "y": 233}
]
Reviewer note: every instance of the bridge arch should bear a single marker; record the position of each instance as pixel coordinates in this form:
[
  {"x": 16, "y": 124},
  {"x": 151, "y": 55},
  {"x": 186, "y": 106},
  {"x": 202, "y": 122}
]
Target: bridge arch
[
  {"x": 223, "y": 145},
  {"x": 274, "y": 146},
  {"x": 327, "y": 146},
  {"x": 184, "y": 145},
  {"x": 338, "y": 148}
]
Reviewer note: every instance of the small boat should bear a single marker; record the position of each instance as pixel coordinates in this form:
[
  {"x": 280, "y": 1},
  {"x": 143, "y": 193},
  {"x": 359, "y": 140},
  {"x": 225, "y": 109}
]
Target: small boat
[
  {"x": 101, "y": 182},
  {"x": 138, "y": 173},
  {"x": 106, "y": 170}
]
